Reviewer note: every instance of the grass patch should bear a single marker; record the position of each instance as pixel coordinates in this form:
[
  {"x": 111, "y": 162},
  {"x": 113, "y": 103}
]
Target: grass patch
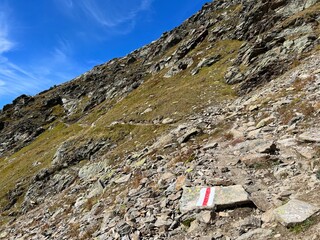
[
  {"x": 302, "y": 227},
  {"x": 187, "y": 223},
  {"x": 127, "y": 137},
  {"x": 299, "y": 83},
  {"x": 25, "y": 163},
  {"x": 180, "y": 95},
  {"x": 265, "y": 164},
  {"x": 289, "y": 111},
  {"x": 58, "y": 111}
]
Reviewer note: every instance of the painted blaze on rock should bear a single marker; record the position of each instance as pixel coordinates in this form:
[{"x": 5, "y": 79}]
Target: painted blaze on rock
[{"x": 211, "y": 197}]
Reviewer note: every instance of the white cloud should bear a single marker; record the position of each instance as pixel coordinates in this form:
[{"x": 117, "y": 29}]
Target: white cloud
[
  {"x": 13, "y": 79},
  {"x": 61, "y": 51},
  {"x": 5, "y": 43},
  {"x": 111, "y": 14},
  {"x": 33, "y": 75}
]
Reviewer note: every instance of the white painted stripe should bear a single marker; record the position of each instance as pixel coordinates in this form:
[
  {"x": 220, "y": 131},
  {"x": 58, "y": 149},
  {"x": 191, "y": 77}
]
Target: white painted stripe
[
  {"x": 211, "y": 197},
  {"x": 202, "y": 197}
]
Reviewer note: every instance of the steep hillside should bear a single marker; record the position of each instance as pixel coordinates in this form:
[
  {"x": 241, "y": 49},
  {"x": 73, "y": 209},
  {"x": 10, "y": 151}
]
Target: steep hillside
[{"x": 228, "y": 100}]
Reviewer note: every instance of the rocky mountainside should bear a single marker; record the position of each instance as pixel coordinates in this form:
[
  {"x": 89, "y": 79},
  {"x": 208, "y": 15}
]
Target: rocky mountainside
[{"x": 210, "y": 132}]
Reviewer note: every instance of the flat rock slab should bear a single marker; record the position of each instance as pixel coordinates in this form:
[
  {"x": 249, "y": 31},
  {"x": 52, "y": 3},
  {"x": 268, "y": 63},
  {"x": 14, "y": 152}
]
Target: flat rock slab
[
  {"x": 261, "y": 201},
  {"x": 189, "y": 199},
  {"x": 310, "y": 136},
  {"x": 212, "y": 197},
  {"x": 294, "y": 212},
  {"x": 123, "y": 179},
  {"x": 231, "y": 196}
]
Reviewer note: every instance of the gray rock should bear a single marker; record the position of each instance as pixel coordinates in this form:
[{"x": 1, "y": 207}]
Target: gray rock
[
  {"x": 163, "y": 220},
  {"x": 294, "y": 212},
  {"x": 306, "y": 152},
  {"x": 96, "y": 190},
  {"x": 135, "y": 236},
  {"x": 250, "y": 222},
  {"x": 207, "y": 238},
  {"x": 123, "y": 228},
  {"x": 178, "y": 67},
  {"x": 167, "y": 121},
  {"x": 309, "y": 3},
  {"x": 194, "y": 226},
  {"x": 205, "y": 216},
  {"x": 260, "y": 200},
  {"x": 147, "y": 111},
  {"x": 251, "y": 160},
  {"x": 222, "y": 197},
  {"x": 123, "y": 179},
  {"x": 189, "y": 199},
  {"x": 210, "y": 145},
  {"x": 310, "y": 136},
  {"x": 267, "y": 148},
  {"x": 167, "y": 176},
  {"x": 3, "y": 235},
  {"x": 283, "y": 171},
  {"x": 233, "y": 75},
  {"x": 190, "y": 133},
  {"x": 303, "y": 43},
  {"x": 206, "y": 62},
  {"x": 264, "y": 122},
  {"x": 231, "y": 196},
  {"x": 58, "y": 156},
  {"x": 92, "y": 170},
  {"x": 257, "y": 234},
  {"x": 68, "y": 154}
]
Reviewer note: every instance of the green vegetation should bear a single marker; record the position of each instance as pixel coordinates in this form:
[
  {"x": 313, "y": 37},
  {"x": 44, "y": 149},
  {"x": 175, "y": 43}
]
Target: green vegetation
[
  {"x": 289, "y": 111},
  {"x": 58, "y": 111},
  {"x": 25, "y": 163},
  {"x": 180, "y": 95},
  {"x": 188, "y": 222},
  {"x": 302, "y": 227},
  {"x": 127, "y": 137}
]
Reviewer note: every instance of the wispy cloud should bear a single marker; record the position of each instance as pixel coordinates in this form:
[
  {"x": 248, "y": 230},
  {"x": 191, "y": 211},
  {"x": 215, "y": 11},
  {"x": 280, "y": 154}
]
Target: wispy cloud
[
  {"x": 61, "y": 52},
  {"x": 116, "y": 16},
  {"x": 114, "y": 13},
  {"x": 35, "y": 75},
  {"x": 5, "y": 43},
  {"x": 13, "y": 79}
]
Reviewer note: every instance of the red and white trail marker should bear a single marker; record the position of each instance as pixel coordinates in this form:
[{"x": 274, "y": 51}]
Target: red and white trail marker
[{"x": 206, "y": 197}]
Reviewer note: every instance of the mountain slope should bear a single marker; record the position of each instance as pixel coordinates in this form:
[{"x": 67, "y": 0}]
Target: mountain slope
[{"x": 106, "y": 155}]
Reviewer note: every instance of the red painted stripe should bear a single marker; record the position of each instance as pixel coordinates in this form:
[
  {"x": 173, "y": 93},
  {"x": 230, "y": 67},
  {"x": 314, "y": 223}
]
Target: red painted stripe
[{"x": 206, "y": 197}]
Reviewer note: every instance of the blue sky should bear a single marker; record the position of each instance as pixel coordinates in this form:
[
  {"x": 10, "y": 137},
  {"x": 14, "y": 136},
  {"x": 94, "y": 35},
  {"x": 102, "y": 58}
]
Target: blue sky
[{"x": 47, "y": 42}]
